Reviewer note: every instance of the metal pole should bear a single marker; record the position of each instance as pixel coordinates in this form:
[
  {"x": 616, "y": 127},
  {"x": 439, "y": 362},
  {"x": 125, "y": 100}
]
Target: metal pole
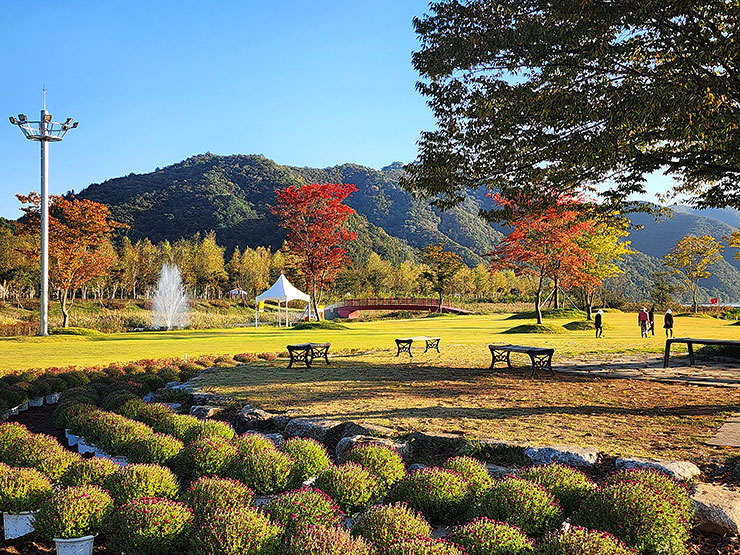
[{"x": 44, "y": 330}]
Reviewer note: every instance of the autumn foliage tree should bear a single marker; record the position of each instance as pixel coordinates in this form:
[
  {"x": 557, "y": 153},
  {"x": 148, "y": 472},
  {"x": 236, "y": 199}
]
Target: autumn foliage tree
[
  {"x": 313, "y": 216},
  {"x": 690, "y": 260},
  {"x": 544, "y": 246},
  {"x": 79, "y": 247}
]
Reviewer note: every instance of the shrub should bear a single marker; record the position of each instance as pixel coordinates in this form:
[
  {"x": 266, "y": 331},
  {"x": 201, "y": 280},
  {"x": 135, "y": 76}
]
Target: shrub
[
  {"x": 580, "y": 541},
  {"x": 23, "y": 489},
  {"x": 57, "y": 384},
  {"x": 209, "y": 494},
  {"x": 178, "y": 425},
  {"x": 521, "y": 503},
  {"x": 423, "y": 546},
  {"x": 69, "y": 411},
  {"x": 245, "y": 357},
  {"x": 265, "y": 471},
  {"x": 250, "y": 443},
  {"x": 473, "y": 472},
  {"x": 268, "y": 356},
  {"x": 383, "y": 462},
  {"x": 120, "y": 433},
  {"x": 169, "y": 374},
  {"x": 440, "y": 494},
  {"x": 638, "y": 515},
  {"x": 568, "y": 485},
  {"x": 142, "y": 480},
  {"x": 351, "y": 486},
  {"x": 669, "y": 487},
  {"x": 154, "y": 448},
  {"x": 45, "y": 454},
  {"x": 75, "y": 379},
  {"x": 319, "y": 540},
  {"x": 238, "y": 531},
  {"x": 304, "y": 508},
  {"x": 118, "y": 399},
  {"x": 483, "y": 536},
  {"x": 385, "y": 525},
  {"x": 150, "y": 526},
  {"x": 209, "y": 428},
  {"x": 310, "y": 457},
  {"x": 74, "y": 512},
  {"x": 93, "y": 471},
  {"x": 206, "y": 457},
  {"x": 11, "y": 435}
]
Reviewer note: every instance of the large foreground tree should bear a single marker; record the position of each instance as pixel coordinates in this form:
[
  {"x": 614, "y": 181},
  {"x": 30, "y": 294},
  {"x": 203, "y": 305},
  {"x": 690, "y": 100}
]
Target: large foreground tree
[
  {"x": 548, "y": 96},
  {"x": 313, "y": 217}
]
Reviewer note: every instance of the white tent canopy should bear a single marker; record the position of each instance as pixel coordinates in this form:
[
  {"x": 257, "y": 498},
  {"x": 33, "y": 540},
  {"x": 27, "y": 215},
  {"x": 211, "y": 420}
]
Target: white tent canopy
[{"x": 282, "y": 291}]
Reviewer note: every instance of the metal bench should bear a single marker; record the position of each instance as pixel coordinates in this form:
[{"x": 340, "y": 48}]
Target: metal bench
[
  {"x": 690, "y": 343},
  {"x": 540, "y": 356},
  {"x": 306, "y": 352},
  {"x": 403, "y": 344}
]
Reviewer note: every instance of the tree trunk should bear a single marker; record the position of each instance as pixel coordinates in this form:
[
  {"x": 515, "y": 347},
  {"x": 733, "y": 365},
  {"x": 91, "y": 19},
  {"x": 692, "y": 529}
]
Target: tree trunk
[
  {"x": 313, "y": 300},
  {"x": 65, "y": 308},
  {"x": 555, "y": 296},
  {"x": 696, "y": 306},
  {"x": 538, "y": 299},
  {"x": 589, "y": 304},
  {"x": 440, "y": 303}
]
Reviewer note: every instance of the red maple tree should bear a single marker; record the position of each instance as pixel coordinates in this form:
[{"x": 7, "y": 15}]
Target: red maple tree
[
  {"x": 544, "y": 245},
  {"x": 313, "y": 217},
  {"x": 79, "y": 249}
]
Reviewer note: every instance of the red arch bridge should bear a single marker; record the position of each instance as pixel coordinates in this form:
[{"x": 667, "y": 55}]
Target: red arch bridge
[{"x": 350, "y": 308}]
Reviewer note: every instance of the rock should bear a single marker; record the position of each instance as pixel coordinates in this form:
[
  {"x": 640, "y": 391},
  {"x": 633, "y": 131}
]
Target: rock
[
  {"x": 174, "y": 407},
  {"x": 716, "y": 509},
  {"x": 277, "y": 439},
  {"x": 204, "y": 411},
  {"x": 564, "y": 454},
  {"x": 498, "y": 450},
  {"x": 209, "y": 399},
  {"x": 281, "y": 421},
  {"x": 681, "y": 470},
  {"x": 252, "y": 419},
  {"x": 349, "y": 429},
  {"x": 497, "y": 471},
  {"x": 171, "y": 385},
  {"x": 416, "y": 467},
  {"x": 433, "y": 448},
  {"x": 304, "y": 427},
  {"x": 346, "y": 444}
]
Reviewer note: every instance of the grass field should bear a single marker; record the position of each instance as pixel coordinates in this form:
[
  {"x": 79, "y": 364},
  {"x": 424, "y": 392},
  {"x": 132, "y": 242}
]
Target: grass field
[{"x": 452, "y": 392}]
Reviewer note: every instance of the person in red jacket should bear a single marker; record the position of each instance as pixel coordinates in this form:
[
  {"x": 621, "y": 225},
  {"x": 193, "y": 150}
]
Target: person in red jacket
[{"x": 644, "y": 320}]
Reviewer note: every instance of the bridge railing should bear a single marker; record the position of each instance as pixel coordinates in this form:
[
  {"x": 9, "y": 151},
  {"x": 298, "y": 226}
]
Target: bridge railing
[{"x": 391, "y": 301}]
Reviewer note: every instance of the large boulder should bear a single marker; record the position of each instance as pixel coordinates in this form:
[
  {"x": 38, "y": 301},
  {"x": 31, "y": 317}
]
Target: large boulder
[
  {"x": 350, "y": 429},
  {"x": 251, "y": 419},
  {"x": 209, "y": 399},
  {"x": 681, "y": 470},
  {"x": 204, "y": 411},
  {"x": 433, "y": 448},
  {"x": 304, "y": 427},
  {"x": 564, "y": 454},
  {"x": 716, "y": 509},
  {"x": 346, "y": 444}
]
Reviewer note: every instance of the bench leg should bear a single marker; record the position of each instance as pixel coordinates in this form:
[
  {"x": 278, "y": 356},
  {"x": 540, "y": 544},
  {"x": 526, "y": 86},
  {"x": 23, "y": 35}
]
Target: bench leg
[
  {"x": 320, "y": 352},
  {"x": 692, "y": 359},
  {"x": 508, "y": 359},
  {"x": 404, "y": 347},
  {"x": 498, "y": 356},
  {"x": 292, "y": 359},
  {"x": 539, "y": 362},
  {"x": 433, "y": 344},
  {"x": 667, "y": 354}
]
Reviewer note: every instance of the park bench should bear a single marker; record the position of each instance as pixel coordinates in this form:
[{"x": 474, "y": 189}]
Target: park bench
[
  {"x": 690, "y": 343},
  {"x": 540, "y": 356},
  {"x": 306, "y": 352},
  {"x": 403, "y": 344}
]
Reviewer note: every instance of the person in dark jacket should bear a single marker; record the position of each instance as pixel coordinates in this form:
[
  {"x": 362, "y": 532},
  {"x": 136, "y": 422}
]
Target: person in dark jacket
[
  {"x": 668, "y": 323},
  {"x": 651, "y": 316},
  {"x": 598, "y": 324}
]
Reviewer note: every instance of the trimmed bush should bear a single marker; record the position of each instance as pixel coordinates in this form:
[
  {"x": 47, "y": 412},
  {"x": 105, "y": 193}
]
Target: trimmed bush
[
  {"x": 319, "y": 540},
  {"x": 351, "y": 486},
  {"x": 209, "y": 428},
  {"x": 122, "y": 434},
  {"x": 95, "y": 471},
  {"x": 236, "y": 532},
  {"x": 206, "y": 457},
  {"x": 23, "y": 489},
  {"x": 266, "y": 471},
  {"x": 521, "y": 503},
  {"x": 74, "y": 512},
  {"x": 384, "y": 525},
  {"x": 142, "y": 480},
  {"x": 568, "y": 485},
  {"x": 178, "y": 425},
  {"x": 209, "y": 494},
  {"x": 310, "y": 457},
  {"x": 150, "y": 526},
  {"x": 45, "y": 454},
  {"x": 245, "y": 357},
  {"x": 473, "y": 472},
  {"x": 116, "y": 400},
  {"x": 11, "y": 435},
  {"x": 382, "y": 461},
  {"x": 669, "y": 487},
  {"x": 440, "y": 494},
  {"x": 304, "y": 508},
  {"x": 154, "y": 448},
  {"x": 423, "y": 546},
  {"x": 484, "y": 536},
  {"x": 580, "y": 541},
  {"x": 251, "y": 443},
  {"x": 638, "y": 515}
]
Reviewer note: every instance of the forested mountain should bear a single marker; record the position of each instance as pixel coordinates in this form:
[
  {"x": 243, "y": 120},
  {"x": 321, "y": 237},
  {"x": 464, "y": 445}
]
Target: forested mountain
[{"x": 231, "y": 194}]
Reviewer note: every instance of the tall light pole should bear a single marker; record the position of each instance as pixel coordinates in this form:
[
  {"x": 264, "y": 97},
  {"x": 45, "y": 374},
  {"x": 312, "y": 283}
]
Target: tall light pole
[{"x": 45, "y": 131}]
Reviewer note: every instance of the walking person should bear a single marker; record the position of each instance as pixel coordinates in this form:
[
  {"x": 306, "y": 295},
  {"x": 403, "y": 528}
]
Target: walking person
[
  {"x": 651, "y": 317},
  {"x": 668, "y": 323},
  {"x": 598, "y": 324},
  {"x": 644, "y": 321}
]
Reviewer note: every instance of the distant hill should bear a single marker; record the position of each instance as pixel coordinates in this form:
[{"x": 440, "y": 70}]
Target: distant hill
[{"x": 230, "y": 195}]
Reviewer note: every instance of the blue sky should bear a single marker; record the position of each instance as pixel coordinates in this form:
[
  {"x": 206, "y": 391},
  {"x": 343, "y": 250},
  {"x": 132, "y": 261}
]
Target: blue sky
[{"x": 304, "y": 83}]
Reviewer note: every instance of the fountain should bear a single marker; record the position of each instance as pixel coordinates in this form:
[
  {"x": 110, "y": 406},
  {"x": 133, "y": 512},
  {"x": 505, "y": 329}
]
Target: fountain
[{"x": 170, "y": 300}]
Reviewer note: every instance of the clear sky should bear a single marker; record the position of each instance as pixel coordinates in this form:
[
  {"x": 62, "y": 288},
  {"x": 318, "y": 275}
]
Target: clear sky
[{"x": 152, "y": 82}]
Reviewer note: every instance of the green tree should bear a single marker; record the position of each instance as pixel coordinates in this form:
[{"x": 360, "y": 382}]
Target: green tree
[
  {"x": 663, "y": 291},
  {"x": 547, "y": 97},
  {"x": 442, "y": 266},
  {"x": 690, "y": 260}
]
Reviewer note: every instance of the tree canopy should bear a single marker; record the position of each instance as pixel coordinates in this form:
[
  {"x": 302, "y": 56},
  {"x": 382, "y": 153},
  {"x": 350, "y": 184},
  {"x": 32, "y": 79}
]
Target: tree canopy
[
  {"x": 545, "y": 96},
  {"x": 690, "y": 260}
]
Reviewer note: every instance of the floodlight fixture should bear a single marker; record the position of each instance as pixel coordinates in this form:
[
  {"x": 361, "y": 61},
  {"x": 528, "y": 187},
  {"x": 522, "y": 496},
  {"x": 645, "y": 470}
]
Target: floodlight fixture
[{"x": 44, "y": 131}]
